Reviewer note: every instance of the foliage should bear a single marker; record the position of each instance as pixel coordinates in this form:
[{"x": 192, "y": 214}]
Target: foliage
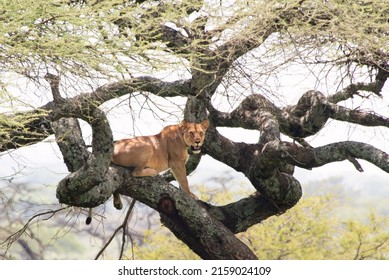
[
  {"x": 46, "y": 36},
  {"x": 108, "y": 39},
  {"x": 161, "y": 245},
  {"x": 17, "y": 127},
  {"x": 310, "y": 230},
  {"x": 81, "y": 40}
]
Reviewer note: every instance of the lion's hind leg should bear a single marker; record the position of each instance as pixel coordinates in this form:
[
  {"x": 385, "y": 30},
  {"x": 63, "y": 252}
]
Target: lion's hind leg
[
  {"x": 137, "y": 172},
  {"x": 144, "y": 172}
]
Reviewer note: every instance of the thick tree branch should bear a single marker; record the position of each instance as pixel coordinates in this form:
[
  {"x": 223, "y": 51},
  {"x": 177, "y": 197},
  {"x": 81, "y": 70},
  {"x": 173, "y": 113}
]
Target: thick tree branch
[
  {"x": 144, "y": 83},
  {"x": 36, "y": 124},
  {"x": 175, "y": 40},
  {"x": 79, "y": 184},
  {"x": 313, "y": 110},
  {"x": 90, "y": 184},
  {"x": 304, "y": 119},
  {"x": 265, "y": 170},
  {"x": 263, "y": 164},
  {"x": 343, "y": 150},
  {"x": 254, "y": 112},
  {"x": 241, "y": 215},
  {"x": 69, "y": 139},
  {"x": 185, "y": 217},
  {"x": 88, "y": 169},
  {"x": 356, "y": 116},
  {"x": 354, "y": 89}
]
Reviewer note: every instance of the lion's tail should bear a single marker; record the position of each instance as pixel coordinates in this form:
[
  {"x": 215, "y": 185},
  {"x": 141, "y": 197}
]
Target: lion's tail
[{"x": 89, "y": 218}]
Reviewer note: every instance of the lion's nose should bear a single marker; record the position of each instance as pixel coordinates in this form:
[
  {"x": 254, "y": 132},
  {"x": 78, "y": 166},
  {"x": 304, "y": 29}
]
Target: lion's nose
[{"x": 197, "y": 142}]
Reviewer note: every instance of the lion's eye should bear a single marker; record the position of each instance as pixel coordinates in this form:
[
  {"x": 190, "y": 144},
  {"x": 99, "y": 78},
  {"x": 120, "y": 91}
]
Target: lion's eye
[{"x": 191, "y": 133}]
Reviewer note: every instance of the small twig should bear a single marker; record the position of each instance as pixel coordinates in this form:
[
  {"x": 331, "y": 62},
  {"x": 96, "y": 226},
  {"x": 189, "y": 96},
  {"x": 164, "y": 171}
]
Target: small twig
[
  {"x": 122, "y": 226},
  {"x": 15, "y": 236},
  {"x": 355, "y": 163},
  {"x": 54, "y": 80},
  {"x": 302, "y": 142},
  {"x": 124, "y": 234}
]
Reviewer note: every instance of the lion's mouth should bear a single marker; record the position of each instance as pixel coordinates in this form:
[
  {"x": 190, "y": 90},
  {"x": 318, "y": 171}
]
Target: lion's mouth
[{"x": 195, "y": 149}]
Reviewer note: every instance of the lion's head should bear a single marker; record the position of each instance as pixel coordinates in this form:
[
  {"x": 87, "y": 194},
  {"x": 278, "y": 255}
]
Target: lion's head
[{"x": 194, "y": 134}]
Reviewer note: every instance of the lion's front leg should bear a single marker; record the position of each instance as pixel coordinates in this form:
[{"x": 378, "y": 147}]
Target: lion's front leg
[
  {"x": 144, "y": 172},
  {"x": 179, "y": 172}
]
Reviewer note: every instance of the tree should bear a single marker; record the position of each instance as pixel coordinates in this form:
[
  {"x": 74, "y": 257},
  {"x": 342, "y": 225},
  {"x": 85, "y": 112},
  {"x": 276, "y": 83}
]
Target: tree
[{"x": 93, "y": 52}]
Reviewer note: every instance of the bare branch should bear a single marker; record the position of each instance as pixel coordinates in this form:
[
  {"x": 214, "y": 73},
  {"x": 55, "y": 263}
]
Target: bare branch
[
  {"x": 144, "y": 83},
  {"x": 356, "y": 164},
  {"x": 15, "y": 236},
  {"x": 354, "y": 89},
  {"x": 54, "y": 80},
  {"x": 122, "y": 227}
]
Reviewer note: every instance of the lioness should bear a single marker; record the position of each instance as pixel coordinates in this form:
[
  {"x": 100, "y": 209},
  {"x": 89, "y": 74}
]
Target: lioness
[{"x": 150, "y": 155}]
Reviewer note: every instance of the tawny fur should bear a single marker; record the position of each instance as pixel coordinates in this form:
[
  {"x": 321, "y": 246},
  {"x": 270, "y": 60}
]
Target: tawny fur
[{"x": 150, "y": 155}]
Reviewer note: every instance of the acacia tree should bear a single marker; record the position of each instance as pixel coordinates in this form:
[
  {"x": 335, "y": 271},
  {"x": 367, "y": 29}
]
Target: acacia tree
[{"x": 113, "y": 48}]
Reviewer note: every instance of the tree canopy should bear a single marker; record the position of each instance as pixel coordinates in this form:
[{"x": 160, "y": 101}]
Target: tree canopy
[{"x": 222, "y": 58}]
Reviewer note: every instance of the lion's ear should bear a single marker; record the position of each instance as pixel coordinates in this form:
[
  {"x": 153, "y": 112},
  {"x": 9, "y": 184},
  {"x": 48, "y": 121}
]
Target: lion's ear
[
  {"x": 205, "y": 124},
  {"x": 183, "y": 123}
]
